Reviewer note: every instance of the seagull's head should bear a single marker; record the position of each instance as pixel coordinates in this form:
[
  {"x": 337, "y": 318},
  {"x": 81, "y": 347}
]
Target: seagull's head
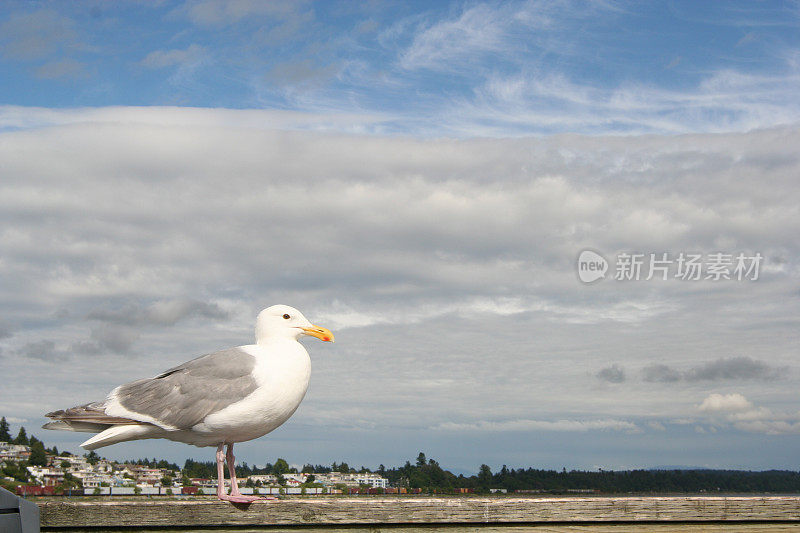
[{"x": 283, "y": 321}]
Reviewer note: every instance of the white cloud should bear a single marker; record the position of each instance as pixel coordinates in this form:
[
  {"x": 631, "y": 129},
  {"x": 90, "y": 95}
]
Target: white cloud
[
  {"x": 736, "y": 410},
  {"x": 481, "y": 36},
  {"x": 715, "y": 403},
  {"x": 342, "y": 316},
  {"x": 479, "y": 29},
  {"x": 169, "y": 58},
  {"x": 16, "y": 117},
  {"x": 515, "y": 66},
  {"x": 540, "y": 425},
  {"x": 527, "y": 102},
  {"x": 446, "y": 268}
]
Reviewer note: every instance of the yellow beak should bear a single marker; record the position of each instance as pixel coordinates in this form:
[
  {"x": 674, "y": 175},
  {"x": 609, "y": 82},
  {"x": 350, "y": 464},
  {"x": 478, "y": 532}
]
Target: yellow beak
[{"x": 320, "y": 333}]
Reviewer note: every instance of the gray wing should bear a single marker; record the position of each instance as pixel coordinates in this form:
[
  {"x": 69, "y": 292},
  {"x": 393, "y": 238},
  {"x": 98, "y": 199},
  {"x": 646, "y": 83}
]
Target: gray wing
[{"x": 184, "y": 395}]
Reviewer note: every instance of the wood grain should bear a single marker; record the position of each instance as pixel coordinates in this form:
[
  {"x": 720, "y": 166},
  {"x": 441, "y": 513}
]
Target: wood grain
[{"x": 366, "y": 511}]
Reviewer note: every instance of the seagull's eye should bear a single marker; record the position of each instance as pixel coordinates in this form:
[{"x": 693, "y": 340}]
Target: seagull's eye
[{"x": 287, "y": 317}]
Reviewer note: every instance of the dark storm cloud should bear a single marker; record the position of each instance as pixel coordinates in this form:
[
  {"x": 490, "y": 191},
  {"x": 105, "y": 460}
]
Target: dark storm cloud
[
  {"x": 122, "y": 326},
  {"x": 43, "y": 349},
  {"x": 734, "y": 368},
  {"x": 612, "y": 374},
  {"x": 109, "y": 338},
  {"x": 163, "y": 313},
  {"x": 660, "y": 373}
]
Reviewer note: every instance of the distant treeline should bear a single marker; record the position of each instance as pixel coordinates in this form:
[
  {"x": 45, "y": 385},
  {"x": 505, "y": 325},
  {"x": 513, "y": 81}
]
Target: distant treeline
[
  {"x": 428, "y": 475},
  {"x": 208, "y": 469}
]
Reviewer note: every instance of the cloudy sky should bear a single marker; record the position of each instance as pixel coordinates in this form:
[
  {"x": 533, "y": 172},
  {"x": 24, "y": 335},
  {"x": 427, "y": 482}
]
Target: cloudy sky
[{"x": 421, "y": 180}]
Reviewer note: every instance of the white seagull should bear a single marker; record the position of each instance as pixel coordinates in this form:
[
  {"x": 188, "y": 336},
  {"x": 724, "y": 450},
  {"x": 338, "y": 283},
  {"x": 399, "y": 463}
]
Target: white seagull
[{"x": 218, "y": 399}]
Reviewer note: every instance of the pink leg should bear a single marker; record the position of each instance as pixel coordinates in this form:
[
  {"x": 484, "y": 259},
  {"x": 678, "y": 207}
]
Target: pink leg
[
  {"x": 232, "y": 471},
  {"x": 220, "y": 473},
  {"x": 235, "y": 495}
]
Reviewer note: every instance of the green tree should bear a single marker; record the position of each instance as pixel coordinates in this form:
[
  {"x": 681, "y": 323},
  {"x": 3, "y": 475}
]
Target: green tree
[
  {"x": 15, "y": 470},
  {"x": 38, "y": 457},
  {"x": 281, "y": 467},
  {"x": 92, "y": 457},
  {"x": 22, "y": 437},
  {"x": 194, "y": 468},
  {"x": 421, "y": 460},
  {"x": 485, "y": 476},
  {"x": 5, "y": 435},
  {"x": 71, "y": 481}
]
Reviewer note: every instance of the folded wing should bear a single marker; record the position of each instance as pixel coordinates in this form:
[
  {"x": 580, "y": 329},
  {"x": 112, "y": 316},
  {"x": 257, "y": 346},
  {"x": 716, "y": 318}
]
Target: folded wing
[
  {"x": 184, "y": 395},
  {"x": 176, "y": 399}
]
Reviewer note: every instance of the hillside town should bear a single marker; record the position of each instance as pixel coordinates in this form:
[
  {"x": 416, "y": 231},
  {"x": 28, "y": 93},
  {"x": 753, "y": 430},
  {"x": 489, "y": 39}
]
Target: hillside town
[{"x": 29, "y": 468}]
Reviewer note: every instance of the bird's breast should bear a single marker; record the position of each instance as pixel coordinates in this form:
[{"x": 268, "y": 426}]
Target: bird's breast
[{"x": 282, "y": 373}]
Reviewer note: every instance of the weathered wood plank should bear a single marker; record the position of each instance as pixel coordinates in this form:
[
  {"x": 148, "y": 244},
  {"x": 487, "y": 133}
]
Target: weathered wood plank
[
  {"x": 199, "y": 512},
  {"x": 628, "y": 527}
]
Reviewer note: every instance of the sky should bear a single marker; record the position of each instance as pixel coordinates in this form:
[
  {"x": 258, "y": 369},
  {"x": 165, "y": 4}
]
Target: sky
[{"x": 422, "y": 179}]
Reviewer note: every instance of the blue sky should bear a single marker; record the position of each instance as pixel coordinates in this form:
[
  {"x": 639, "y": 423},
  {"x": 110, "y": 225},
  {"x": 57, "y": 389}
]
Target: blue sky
[
  {"x": 420, "y": 178},
  {"x": 508, "y": 68}
]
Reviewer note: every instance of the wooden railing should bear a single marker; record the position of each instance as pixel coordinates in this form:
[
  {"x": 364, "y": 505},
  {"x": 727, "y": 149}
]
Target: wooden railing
[{"x": 207, "y": 512}]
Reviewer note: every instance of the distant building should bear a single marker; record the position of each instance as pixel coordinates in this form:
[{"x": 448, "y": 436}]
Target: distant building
[
  {"x": 144, "y": 475},
  {"x": 48, "y": 477},
  {"x": 352, "y": 480},
  {"x": 14, "y": 452},
  {"x": 204, "y": 483},
  {"x": 293, "y": 480},
  {"x": 92, "y": 480},
  {"x": 264, "y": 479}
]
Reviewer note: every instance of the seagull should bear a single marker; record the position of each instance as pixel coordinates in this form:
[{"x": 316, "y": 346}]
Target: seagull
[{"x": 218, "y": 399}]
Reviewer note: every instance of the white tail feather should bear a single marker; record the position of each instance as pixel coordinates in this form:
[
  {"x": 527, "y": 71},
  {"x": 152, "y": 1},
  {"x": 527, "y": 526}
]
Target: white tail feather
[
  {"x": 69, "y": 425},
  {"x": 122, "y": 433}
]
